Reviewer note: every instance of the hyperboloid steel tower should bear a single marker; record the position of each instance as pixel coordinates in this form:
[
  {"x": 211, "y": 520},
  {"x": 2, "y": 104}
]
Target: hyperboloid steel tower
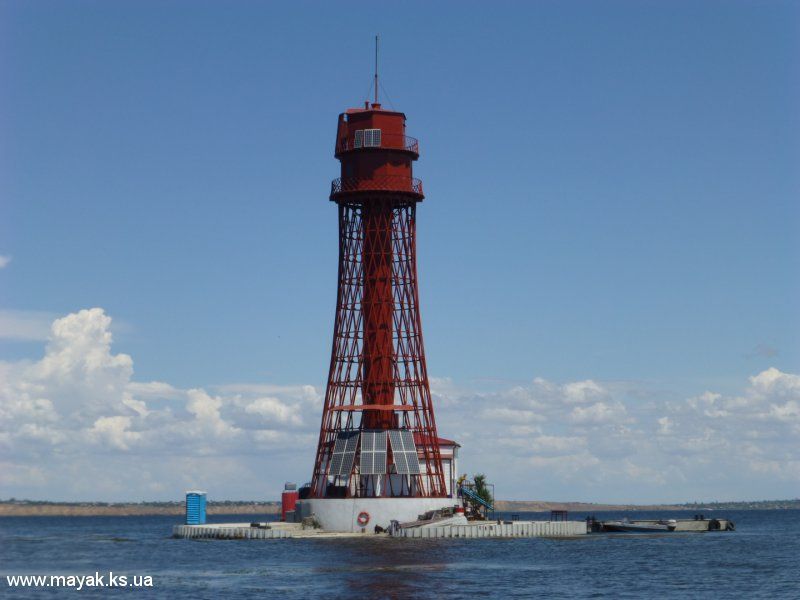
[{"x": 378, "y": 437}]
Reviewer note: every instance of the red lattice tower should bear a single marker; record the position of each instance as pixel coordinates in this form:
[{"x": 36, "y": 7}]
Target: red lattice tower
[{"x": 378, "y": 380}]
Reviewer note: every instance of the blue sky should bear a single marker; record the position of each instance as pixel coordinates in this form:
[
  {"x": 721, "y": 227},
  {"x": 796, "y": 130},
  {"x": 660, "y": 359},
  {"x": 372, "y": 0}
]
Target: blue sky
[{"x": 611, "y": 196}]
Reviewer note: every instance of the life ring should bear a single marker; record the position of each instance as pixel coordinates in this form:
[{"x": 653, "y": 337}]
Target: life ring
[{"x": 363, "y": 518}]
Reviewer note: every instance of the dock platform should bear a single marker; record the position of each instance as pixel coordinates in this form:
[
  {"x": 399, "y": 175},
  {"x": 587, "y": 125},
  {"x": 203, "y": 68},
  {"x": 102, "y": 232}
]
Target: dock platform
[
  {"x": 482, "y": 529},
  {"x": 492, "y": 529}
]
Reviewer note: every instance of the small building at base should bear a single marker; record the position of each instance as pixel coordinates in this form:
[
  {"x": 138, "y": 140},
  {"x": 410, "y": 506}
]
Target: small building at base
[{"x": 363, "y": 514}]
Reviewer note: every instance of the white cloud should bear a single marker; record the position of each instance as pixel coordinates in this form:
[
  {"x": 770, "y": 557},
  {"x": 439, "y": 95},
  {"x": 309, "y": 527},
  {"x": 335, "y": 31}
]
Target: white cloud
[
  {"x": 774, "y": 384},
  {"x": 511, "y": 415},
  {"x": 75, "y": 424},
  {"x": 152, "y": 390},
  {"x": 665, "y": 426},
  {"x": 114, "y": 431},
  {"x": 275, "y": 409},
  {"x": 607, "y": 442},
  {"x": 76, "y": 415},
  {"x": 582, "y": 392},
  {"x": 599, "y": 412},
  {"x": 4, "y": 260},
  {"x": 206, "y": 410}
]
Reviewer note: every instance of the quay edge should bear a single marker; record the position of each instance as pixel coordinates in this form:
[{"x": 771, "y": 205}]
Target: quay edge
[{"x": 491, "y": 529}]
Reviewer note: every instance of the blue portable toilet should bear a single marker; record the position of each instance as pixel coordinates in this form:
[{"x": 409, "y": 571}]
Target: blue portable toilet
[{"x": 195, "y": 507}]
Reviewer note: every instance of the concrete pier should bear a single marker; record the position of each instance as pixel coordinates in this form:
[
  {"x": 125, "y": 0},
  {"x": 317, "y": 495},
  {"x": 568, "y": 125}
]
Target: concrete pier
[
  {"x": 482, "y": 529},
  {"x": 502, "y": 530},
  {"x": 698, "y": 524},
  {"x": 229, "y": 531},
  {"x": 243, "y": 531}
]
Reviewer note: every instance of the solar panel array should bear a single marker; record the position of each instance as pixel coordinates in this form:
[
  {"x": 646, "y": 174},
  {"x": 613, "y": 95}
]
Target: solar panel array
[
  {"x": 344, "y": 453},
  {"x": 404, "y": 451},
  {"x": 373, "y": 452}
]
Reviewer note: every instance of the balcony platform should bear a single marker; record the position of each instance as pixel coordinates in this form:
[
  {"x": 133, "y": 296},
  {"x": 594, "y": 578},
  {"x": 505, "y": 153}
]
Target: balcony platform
[{"x": 354, "y": 186}]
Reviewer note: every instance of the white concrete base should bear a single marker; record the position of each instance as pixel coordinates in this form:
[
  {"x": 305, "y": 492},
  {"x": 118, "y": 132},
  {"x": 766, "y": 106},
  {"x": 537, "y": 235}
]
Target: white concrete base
[
  {"x": 243, "y": 531},
  {"x": 341, "y": 514},
  {"x": 492, "y": 530},
  {"x": 231, "y": 531}
]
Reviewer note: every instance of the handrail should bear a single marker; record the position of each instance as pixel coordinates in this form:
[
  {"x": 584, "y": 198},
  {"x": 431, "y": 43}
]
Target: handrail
[
  {"x": 391, "y": 141},
  {"x": 473, "y": 496},
  {"x": 387, "y": 183}
]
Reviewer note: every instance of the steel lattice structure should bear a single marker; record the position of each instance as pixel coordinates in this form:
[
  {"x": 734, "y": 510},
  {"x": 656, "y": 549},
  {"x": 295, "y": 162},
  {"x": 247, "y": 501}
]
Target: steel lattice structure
[{"x": 378, "y": 379}]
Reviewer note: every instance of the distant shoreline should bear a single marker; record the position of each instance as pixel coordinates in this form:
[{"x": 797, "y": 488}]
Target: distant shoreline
[
  {"x": 30, "y": 508},
  {"x": 126, "y": 509}
]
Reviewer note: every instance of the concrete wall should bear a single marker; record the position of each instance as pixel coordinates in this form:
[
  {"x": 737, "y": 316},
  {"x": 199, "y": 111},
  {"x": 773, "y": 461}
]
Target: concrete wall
[
  {"x": 493, "y": 530},
  {"x": 341, "y": 514},
  {"x": 233, "y": 531},
  {"x": 243, "y": 531}
]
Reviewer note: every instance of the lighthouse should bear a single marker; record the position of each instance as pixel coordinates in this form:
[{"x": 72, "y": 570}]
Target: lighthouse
[
  {"x": 380, "y": 465},
  {"x": 379, "y": 456}
]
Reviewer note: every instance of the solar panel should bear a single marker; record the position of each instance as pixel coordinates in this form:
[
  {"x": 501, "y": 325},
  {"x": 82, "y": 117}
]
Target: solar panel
[
  {"x": 408, "y": 440},
  {"x": 344, "y": 453},
  {"x": 367, "y": 441},
  {"x": 413, "y": 462},
  {"x": 396, "y": 440},
  {"x": 380, "y": 462},
  {"x": 366, "y": 463},
  {"x": 373, "y": 452},
  {"x": 400, "y": 462},
  {"x": 404, "y": 451}
]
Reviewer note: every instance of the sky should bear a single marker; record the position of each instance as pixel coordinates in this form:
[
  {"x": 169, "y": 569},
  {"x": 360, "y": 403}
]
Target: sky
[{"x": 608, "y": 248}]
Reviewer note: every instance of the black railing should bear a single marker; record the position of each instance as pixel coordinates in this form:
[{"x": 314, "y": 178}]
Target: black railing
[
  {"x": 391, "y": 141},
  {"x": 380, "y": 183}
]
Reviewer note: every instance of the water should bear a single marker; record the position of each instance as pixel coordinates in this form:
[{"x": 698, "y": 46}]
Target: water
[{"x": 758, "y": 560}]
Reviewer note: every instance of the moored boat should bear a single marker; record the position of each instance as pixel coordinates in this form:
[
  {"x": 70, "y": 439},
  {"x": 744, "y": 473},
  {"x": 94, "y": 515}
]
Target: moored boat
[{"x": 628, "y": 526}]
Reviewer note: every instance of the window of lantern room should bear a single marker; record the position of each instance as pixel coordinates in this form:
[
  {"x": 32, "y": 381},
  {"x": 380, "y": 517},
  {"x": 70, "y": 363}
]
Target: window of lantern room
[{"x": 367, "y": 138}]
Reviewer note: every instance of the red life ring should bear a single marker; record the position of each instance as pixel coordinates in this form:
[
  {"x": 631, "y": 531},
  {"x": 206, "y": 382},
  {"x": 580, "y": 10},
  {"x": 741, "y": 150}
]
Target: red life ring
[{"x": 363, "y": 518}]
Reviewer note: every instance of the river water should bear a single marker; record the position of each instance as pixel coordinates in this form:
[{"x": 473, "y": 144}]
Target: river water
[{"x": 761, "y": 559}]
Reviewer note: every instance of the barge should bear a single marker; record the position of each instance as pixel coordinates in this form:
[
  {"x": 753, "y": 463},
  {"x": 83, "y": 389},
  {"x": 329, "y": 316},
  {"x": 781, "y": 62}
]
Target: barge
[{"x": 698, "y": 523}]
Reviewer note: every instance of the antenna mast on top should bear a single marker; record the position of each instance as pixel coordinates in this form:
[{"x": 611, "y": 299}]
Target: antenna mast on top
[{"x": 376, "y": 69}]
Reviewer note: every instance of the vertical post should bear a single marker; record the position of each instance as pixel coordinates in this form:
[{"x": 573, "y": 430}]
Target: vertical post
[
  {"x": 376, "y": 69},
  {"x": 378, "y": 307}
]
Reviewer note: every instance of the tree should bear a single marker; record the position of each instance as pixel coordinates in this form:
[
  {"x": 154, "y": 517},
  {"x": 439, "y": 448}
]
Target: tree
[{"x": 482, "y": 489}]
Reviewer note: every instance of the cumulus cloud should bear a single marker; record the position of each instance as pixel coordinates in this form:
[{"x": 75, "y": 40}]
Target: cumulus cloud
[
  {"x": 77, "y": 414},
  {"x": 600, "y": 441},
  {"x": 772, "y": 383},
  {"x": 599, "y": 412},
  {"x": 76, "y": 424},
  {"x": 114, "y": 431},
  {"x": 275, "y": 409},
  {"x": 4, "y": 260}
]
